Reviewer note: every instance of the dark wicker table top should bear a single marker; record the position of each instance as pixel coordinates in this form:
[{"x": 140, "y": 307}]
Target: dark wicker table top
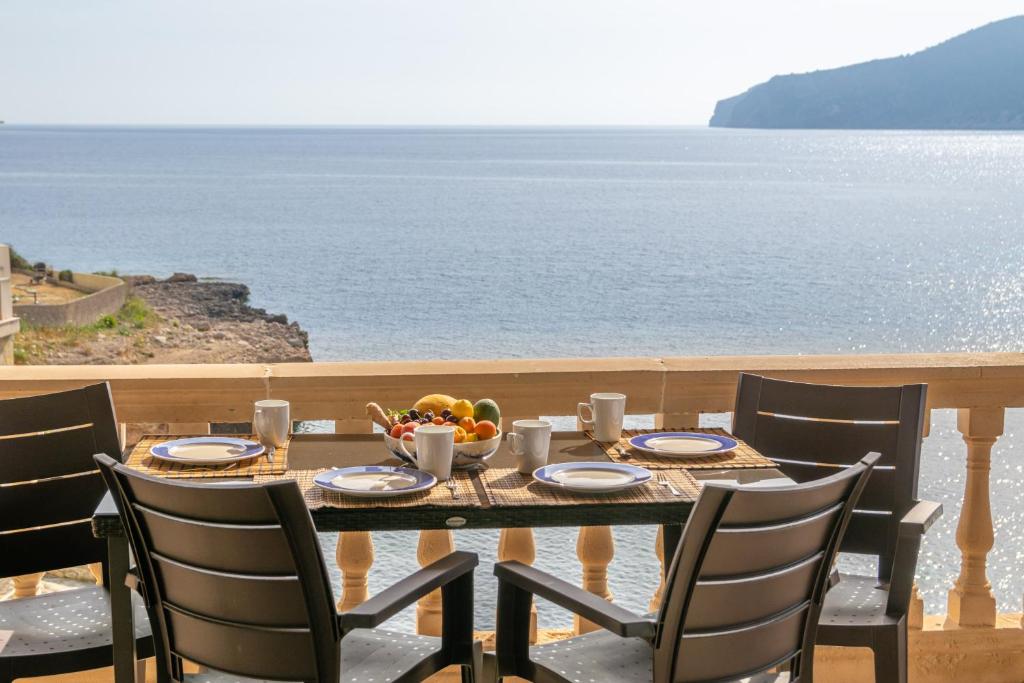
[{"x": 317, "y": 451}]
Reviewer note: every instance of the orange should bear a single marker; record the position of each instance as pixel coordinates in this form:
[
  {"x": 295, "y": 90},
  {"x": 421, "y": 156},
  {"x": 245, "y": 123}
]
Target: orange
[
  {"x": 460, "y": 435},
  {"x": 469, "y": 424},
  {"x": 485, "y": 429}
]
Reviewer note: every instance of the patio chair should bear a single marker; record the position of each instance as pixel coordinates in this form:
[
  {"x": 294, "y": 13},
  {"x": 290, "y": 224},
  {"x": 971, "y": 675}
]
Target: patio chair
[
  {"x": 49, "y": 488},
  {"x": 234, "y": 580},
  {"x": 810, "y": 430},
  {"x": 741, "y": 601}
]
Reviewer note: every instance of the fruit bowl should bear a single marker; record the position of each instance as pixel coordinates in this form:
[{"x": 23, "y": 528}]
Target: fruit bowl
[{"x": 466, "y": 454}]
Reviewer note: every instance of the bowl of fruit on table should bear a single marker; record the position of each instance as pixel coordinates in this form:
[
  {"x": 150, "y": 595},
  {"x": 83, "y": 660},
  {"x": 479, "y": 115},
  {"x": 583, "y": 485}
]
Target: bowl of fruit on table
[{"x": 477, "y": 426}]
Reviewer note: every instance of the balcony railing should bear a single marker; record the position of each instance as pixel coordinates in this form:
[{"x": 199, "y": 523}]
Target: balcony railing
[{"x": 969, "y": 639}]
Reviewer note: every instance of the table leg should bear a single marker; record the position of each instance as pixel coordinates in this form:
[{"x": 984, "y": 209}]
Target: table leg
[
  {"x": 121, "y": 613},
  {"x": 672, "y": 534}
]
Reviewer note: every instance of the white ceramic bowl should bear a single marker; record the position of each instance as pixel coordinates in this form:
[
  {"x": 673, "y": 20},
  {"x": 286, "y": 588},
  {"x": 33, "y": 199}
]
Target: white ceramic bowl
[{"x": 466, "y": 454}]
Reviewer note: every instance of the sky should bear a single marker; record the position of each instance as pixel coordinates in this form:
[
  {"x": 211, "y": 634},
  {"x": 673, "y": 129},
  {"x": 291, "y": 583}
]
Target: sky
[{"x": 436, "y": 62}]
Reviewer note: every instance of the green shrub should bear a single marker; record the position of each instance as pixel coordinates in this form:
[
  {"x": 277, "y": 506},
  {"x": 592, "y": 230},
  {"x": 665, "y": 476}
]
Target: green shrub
[
  {"x": 18, "y": 262},
  {"x": 66, "y": 276},
  {"x": 136, "y": 313},
  {"x": 108, "y": 273},
  {"x": 107, "y": 322}
]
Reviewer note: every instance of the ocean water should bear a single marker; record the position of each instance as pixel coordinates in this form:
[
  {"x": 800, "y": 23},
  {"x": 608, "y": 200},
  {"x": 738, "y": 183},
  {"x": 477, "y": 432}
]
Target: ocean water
[{"x": 399, "y": 243}]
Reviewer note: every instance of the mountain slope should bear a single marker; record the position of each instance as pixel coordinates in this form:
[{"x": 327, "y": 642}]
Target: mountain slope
[{"x": 972, "y": 81}]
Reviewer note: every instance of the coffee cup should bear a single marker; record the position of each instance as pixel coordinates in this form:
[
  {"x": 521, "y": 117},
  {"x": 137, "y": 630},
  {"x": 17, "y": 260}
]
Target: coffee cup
[
  {"x": 435, "y": 448},
  {"x": 529, "y": 442},
  {"x": 272, "y": 422},
  {"x": 606, "y": 414}
]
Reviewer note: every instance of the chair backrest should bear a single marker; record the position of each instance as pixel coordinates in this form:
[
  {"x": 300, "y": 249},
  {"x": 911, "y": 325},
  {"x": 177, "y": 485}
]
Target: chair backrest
[
  {"x": 49, "y": 484},
  {"x": 745, "y": 587},
  {"x": 232, "y": 574},
  {"x": 811, "y": 429}
]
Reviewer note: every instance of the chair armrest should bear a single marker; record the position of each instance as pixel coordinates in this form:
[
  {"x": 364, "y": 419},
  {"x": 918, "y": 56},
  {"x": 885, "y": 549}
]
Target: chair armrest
[
  {"x": 397, "y": 597},
  {"x": 609, "y": 616},
  {"x": 912, "y": 527},
  {"x": 920, "y": 518}
]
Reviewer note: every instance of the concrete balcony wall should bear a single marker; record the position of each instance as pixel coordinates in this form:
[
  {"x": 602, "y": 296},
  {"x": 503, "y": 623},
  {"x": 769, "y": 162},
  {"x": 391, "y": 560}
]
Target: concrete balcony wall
[
  {"x": 971, "y": 642},
  {"x": 107, "y": 295}
]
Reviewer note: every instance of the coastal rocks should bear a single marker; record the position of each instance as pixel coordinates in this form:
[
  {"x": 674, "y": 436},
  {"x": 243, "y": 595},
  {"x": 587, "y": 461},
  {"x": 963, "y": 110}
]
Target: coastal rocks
[
  {"x": 197, "y": 321},
  {"x": 212, "y": 322}
]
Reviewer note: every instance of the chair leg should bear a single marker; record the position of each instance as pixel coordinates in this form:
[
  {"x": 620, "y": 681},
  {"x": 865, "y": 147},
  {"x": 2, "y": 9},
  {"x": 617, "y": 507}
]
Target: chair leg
[
  {"x": 890, "y": 650},
  {"x": 474, "y": 673}
]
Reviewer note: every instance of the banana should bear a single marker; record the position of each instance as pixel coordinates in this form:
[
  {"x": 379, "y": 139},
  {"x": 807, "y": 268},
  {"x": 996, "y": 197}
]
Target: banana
[{"x": 377, "y": 414}]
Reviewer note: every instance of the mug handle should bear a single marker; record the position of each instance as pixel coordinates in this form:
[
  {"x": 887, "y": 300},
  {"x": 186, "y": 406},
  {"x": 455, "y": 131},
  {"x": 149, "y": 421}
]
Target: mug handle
[
  {"x": 412, "y": 456},
  {"x": 257, "y": 414},
  {"x": 579, "y": 414},
  {"x": 515, "y": 443}
]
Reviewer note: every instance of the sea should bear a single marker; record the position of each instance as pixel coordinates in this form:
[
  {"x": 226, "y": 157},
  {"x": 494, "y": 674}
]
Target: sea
[{"x": 506, "y": 242}]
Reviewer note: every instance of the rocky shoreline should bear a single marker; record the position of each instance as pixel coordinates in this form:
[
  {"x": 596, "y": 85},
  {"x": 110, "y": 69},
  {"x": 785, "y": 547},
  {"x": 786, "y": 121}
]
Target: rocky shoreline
[{"x": 196, "y": 321}]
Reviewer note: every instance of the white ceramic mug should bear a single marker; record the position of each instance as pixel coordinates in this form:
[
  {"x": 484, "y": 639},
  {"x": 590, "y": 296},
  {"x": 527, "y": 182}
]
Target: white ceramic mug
[
  {"x": 529, "y": 441},
  {"x": 606, "y": 413},
  {"x": 272, "y": 422},
  {"x": 435, "y": 448}
]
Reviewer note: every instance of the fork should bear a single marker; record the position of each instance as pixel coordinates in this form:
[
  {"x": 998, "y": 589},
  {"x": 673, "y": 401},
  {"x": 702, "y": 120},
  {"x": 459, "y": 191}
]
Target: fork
[
  {"x": 451, "y": 487},
  {"x": 663, "y": 480}
]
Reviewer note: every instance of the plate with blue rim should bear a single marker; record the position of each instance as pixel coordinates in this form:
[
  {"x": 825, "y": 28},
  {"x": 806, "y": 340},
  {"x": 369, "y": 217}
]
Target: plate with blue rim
[
  {"x": 592, "y": 477},
  {"x": 683, "y": 444},
  {"x": 206, "y": 450},
  {"x": 375, "y": 481}
]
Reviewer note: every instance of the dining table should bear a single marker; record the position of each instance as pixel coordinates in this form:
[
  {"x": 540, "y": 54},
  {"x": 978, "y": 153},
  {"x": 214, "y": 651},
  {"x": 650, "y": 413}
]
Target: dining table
[{"x": 491, "y": 495}]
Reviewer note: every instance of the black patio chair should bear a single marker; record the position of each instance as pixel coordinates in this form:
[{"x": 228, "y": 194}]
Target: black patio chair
[
  {"x": 234, "y": 580},
  {"x": 810, "y": 430},
  {"x": 49, "y": 488},
  {"x": 742, "y": 595}
]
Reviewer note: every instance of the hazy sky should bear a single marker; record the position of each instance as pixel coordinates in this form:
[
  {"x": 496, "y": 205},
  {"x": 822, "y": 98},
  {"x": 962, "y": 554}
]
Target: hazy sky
[{"x": 435, "y": 61}]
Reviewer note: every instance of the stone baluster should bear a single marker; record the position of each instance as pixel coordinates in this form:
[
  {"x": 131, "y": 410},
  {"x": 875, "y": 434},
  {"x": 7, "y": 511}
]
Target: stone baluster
[
  {"x": 668, "y": 421},
  {"x": 659, "y": 550},
  {"x": 595, "y": 548},
  {"x": 25, "y": 586},
  {"x": 354, "y": 555},
  {"x": 96, "y": 569},
  {"x": 971, "y": 602},
  {"x": 354, "y": 552},
  {"x": 915, "y": 614},
  {"x": 433, "y": 545}
]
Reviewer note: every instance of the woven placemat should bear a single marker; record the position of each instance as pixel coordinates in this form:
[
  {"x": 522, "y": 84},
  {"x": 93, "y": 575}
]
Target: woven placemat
[
  {"x": 439, "y": 496},
  {"x": 506, "y": 487},
  {"x": 742, "y": 457},
  {"x": 141, "y": 460}
]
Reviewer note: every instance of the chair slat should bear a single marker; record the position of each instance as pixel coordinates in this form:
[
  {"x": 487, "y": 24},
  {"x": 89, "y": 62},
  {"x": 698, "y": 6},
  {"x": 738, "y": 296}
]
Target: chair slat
[
  {"x": 842, "y": 443},
  {"x": 728, "y": 655},
  {"x": 56, "y": 547},
  {"x": 866, "y": 532},
  {"x": 91, "y": 404},
  {"x": 741, "y": 551},
  {"x": 245, "y": 599},
  {"x": 53, "y": 454},
  {"x": 280, "y": 654},
  {"x": 219, "y": 547},
  {"x": 211, "y": 502},
  {"x": 52, "y": 501},
  {"x": 748, "y": 600},
  {"x": 823, "y": 402},
  {"x": 879, "y": 494}
]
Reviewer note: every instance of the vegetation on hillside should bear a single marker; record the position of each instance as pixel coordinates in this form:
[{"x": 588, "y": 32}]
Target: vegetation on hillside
[
  {"x": 970, "y": 82},
  {"x": 33, "y": 343}
]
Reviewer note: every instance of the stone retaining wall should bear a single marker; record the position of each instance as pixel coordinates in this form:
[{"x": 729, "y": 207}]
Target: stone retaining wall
[{"x": 108, "y": 295}]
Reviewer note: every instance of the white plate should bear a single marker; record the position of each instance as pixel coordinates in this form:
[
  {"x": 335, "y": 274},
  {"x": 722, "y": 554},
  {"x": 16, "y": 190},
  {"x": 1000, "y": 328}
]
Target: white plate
[
  {"x": 592, "y": 477},
  {"x": 375, "y": 481},
  {"x": 683, "y": 444},
  {"x": 206, "y": 450}
]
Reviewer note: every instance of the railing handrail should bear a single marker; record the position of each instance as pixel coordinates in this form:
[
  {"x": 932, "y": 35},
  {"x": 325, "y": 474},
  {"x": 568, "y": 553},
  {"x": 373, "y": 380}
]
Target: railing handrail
[{"x": 672, "y": 385}]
